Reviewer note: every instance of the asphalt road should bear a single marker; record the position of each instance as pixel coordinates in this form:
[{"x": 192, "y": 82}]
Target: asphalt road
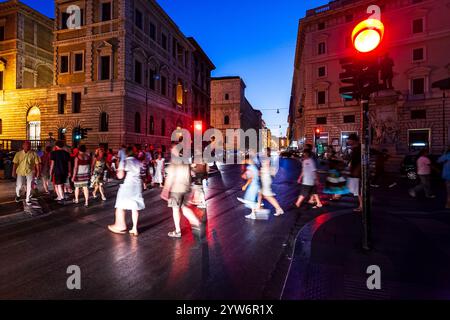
[{"x": 239, "y": 259}]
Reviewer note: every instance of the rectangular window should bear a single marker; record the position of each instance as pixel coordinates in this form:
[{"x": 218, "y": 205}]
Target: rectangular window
[
  {"x": 152, "y": 80},
  {"x": 76, "y": 102},
  {"x": 418, "y": 54},
  {"x": 163, "y": 85},
  {"x": 164, "y": 41},
  {"x": 321, "y": 48},
  {"x": 321, "y": 120},
  {"x": 62, "y": 97},
  {"x": 106, "y": 11},
  {"x": 349, "y": 119},
  {"x": 418, "y": 139},
  {"x": 2, "y": 33},
  {"x": 105, "y": 67},
  {"x": 321, "y": 97},
  {"x": 137, "y": 72},
  {"x": 64, "y": 18},
  {"x": 78, "y": 62},
  {"x": 321, "y": 26},
  {"x": 418, "y": 114},
  {"x": 418, "y": 86},
  {"x": 1, "y": 80},
  {"x": 418, "y": 25},
  {"x": 321, "y": 72},
  {"x": 64, "y": 64},
  {"x": 138, "y": 18},
  {"x": 152, "y": 31}
]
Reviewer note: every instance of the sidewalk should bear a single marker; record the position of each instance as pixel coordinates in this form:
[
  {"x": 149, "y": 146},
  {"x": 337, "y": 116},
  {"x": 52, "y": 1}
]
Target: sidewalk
[{"x": 412, "y": 249}]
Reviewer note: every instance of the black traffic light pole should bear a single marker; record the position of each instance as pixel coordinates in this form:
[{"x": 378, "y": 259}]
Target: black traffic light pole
[{"x": 365, "y": 173}]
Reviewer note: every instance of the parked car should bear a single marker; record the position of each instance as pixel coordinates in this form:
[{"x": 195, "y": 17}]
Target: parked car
[{"x": 408, "y": 168}]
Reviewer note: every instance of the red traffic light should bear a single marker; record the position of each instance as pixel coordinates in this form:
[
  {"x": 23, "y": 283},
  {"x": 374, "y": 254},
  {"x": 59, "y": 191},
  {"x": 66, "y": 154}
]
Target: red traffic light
[
  {"x": 367, "y": 35},
  {"x": 198, "y": 125}
]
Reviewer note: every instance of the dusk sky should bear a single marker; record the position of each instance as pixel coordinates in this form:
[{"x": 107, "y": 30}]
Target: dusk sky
[{"x": 254, "y": 39}]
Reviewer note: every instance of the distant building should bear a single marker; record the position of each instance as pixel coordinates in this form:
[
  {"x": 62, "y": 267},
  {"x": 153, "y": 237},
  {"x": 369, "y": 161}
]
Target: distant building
[
  {"x": 128, "y": 73},
  {"x": 411, "y": 117},
  {"x": 230, "y": 108}
]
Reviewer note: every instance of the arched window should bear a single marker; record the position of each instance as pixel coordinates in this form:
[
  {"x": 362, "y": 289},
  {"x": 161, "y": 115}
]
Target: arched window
[
  {"x": 180, "y": 93},
  {"x": 226, "y": 120},
  {"x": 137, "y": 122},
  {"x": 163, "y": 127},
  {"x": 104, "y": 122},
  {"x": 151, "y": 128}
]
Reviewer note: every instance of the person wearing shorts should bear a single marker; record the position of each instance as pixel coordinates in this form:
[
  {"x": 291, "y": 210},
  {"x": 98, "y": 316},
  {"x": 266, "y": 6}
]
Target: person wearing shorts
[
  {"x": 177, "y": 187},
  {"x": 60, "y": 169},
  {"x": 308, "y": 179}
]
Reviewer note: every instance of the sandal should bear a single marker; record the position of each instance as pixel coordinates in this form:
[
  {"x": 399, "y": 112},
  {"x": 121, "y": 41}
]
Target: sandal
[{"x": 114, "y": 230}]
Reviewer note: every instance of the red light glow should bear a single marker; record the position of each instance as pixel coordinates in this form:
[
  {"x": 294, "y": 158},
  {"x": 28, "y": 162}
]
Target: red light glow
[
  {"x": 198, "y": 125},
  {"x": 367, "y": 35}
]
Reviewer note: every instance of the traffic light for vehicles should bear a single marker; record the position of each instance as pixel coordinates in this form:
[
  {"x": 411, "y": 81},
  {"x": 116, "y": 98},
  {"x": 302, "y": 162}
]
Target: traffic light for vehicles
[
  {"x": 367, "y": 35},
  {"x": 84, "y": 133},
  {"x": 77, "y": 134},
  {"x": 198, "y": 126},
  {"x": 361, "y": 75}
]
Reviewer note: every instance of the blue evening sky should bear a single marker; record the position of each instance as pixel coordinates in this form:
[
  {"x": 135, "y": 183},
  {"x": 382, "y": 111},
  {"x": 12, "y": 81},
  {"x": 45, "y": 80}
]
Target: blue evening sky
[{"x": 254, "y": 39}]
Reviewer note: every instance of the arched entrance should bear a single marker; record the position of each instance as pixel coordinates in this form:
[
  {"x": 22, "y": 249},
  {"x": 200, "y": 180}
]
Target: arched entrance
[{"x": 34, "y": 124}]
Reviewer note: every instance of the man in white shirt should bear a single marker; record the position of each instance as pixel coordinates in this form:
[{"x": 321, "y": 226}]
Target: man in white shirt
[
  {"x": 308, "y": 179},
  {"x": 424, "y": 173}
]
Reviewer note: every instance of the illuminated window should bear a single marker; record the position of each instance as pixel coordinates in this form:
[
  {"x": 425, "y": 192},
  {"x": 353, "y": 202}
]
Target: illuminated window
[{"x": 180, "y": 93}]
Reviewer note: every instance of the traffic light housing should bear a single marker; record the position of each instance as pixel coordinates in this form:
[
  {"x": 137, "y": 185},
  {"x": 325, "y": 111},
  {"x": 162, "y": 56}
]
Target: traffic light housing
[
  {"x": 362, "y": 75},
  {"x": 77, "y": 136},
  {"x": 84, "y": 133},
  {"x": 317, "y": 133}
]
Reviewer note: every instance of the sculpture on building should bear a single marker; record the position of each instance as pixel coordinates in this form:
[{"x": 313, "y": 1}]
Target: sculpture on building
[{"x": 387, "y": 73}]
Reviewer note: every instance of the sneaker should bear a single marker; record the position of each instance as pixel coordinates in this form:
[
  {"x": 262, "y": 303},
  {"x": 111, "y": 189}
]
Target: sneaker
[
  {"x": 412, "y": 193},
  {"x": 17, "y": 199},
  {"x": 393, "y": 185},
  {"x": 279, "y": 213},
  {"x": 28, "y": 203},
  {"x": 251, "y": 216},
  {"x": 174, "y": 234}
]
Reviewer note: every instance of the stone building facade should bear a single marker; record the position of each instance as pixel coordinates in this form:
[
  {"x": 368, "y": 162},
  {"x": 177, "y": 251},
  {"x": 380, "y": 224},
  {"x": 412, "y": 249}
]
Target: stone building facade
[
  {"x": 230, "y": 109},
  {"x": 403, "y": 120},
  {"x": 26, "y": 69},
  {"x": 126, "y": 72}
]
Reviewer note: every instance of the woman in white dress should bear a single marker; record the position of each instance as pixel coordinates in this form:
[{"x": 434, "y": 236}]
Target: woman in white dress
[
  {"x": 159, "y": 170},
  {"x": 129, "y": 196}
]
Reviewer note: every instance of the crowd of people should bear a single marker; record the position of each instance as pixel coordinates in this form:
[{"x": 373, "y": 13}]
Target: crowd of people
[{"x": 76, "y": 170}]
